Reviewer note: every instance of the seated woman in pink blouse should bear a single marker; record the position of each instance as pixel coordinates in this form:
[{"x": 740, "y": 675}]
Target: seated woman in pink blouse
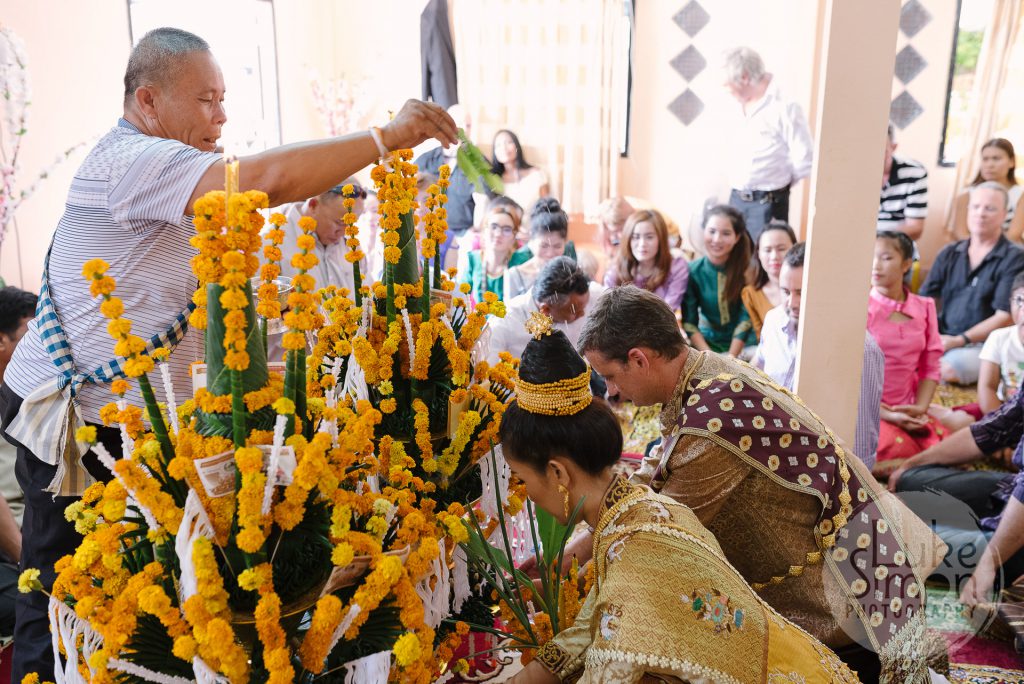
[
  {"x": 645, "y": 259},
  {"x": 905, "y": 325}
]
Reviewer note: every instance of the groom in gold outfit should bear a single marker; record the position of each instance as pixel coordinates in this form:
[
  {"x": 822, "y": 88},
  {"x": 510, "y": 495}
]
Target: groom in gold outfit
[{"x": 794, "y": 511}]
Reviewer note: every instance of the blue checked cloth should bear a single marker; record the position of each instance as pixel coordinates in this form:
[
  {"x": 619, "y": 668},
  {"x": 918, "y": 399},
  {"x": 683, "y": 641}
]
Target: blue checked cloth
[{"x": 49, "y": 415}]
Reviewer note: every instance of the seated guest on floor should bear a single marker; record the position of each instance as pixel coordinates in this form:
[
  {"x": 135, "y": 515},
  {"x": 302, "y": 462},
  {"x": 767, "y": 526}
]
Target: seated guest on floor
[
  {"x": 471, "y": 241},
  {"x": 763, "y": 294},
  {"x": 971, "y": 281},
  {"x": 906, "y": 328},
  {"x": 562, "y": 443},
  {"x": 327, "y": 209},
  {"x": 998, "y": 164},
  {"x": 562, "y": 292},
  {"x": 645, "y": 259},
  {"x": 549, "y": 237},
  {"x": 903, "y": 201},
  {"x": 766, "y": 476},
  {"x": 522, "y": 181},
  {"x": 776, "y": 354},
  {"x": 486, "y": 268},
  {"x": 1002, "y": 356},
  {"x": 611, "y": 219},
  {"x": 995, "y": 498},
  {"x": 713, "y": 313}
]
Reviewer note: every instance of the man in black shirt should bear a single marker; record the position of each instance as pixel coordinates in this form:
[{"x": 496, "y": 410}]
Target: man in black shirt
[{"x": 972, "y": 280}]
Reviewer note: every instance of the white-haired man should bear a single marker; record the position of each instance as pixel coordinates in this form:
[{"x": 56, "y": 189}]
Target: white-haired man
[
  {"x": 130, "y": 204},
  {"x": 772, "y": 146}
]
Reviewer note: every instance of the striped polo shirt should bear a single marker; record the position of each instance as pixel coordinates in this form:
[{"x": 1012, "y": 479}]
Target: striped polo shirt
[
  {"x": 127, "y": 206},
  {"x": 905, "y": 194}
]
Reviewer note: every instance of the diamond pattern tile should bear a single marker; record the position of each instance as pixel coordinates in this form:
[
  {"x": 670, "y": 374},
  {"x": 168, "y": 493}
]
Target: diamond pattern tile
[
  {"x": 689, "y": 63},
  {"x": 692, "y": 18},
  {"x": 913, "y": 17},
  {"x": 687, "y": 107},
  {"x": 909, "y": 63},
  {"x": 904, "y": 110}
]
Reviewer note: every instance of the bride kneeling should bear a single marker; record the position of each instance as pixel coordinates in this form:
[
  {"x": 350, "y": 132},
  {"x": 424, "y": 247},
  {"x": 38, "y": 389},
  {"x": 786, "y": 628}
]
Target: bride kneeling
[{"x": 665, "y": 606}]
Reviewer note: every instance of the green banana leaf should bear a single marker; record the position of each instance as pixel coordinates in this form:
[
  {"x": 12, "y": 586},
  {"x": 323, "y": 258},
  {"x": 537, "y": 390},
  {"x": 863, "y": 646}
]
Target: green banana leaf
[
  {"x": 218, "y": 379},
  {"x": 474, "y": 165}
]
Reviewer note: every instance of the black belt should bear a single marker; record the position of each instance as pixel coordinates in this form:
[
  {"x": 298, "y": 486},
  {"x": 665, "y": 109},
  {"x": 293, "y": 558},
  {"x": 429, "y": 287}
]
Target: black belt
[{"x": 756, "y": 195}]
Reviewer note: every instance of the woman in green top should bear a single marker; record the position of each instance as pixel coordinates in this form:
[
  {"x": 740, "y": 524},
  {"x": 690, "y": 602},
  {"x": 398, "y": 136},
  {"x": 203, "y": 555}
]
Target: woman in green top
[
  {"x": 713, "y": 313},
  {"x": 487, "y": 265}
]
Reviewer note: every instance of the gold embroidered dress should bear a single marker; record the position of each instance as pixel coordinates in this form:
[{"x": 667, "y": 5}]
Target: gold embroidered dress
[
  {"x": 800, "y": 518},
  {"x": 667, "y": 607}
]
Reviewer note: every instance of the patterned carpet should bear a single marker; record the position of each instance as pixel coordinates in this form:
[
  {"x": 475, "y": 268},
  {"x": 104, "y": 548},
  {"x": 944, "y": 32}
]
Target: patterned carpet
[{"x": 974, "y": 659}]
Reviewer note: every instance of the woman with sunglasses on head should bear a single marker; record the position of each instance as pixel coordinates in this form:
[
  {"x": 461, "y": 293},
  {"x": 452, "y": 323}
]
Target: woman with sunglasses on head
[
  {"x": 486, "y": 267},
  {"x": 664, "y": 601}
]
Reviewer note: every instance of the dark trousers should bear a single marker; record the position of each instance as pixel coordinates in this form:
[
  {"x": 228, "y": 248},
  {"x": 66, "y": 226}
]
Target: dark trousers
[
  {"x": 760, "y": 207},
  {"x": 966, "y": 540},
  {"x": 863, "y": 661},
  {"x": 46, "y": 537}
]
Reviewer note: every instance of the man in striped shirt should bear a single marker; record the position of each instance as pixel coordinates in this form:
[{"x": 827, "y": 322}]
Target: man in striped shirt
[
  {"x": 904, "y": 199},
  {"x": 130, "y": 204}
]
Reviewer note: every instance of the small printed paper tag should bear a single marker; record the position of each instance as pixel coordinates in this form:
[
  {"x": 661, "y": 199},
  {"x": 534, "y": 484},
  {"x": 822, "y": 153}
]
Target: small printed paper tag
[
  {"x": 217, "y": 473},
  {"x": 441, "y": 296}
]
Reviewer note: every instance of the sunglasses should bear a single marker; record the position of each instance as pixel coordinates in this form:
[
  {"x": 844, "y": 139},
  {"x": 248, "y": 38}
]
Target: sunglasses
[{"x": 358, "y": 192}]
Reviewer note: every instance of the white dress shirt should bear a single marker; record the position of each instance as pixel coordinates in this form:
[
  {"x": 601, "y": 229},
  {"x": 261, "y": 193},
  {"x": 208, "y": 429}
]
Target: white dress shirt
[{"x": 771, "y": 144}]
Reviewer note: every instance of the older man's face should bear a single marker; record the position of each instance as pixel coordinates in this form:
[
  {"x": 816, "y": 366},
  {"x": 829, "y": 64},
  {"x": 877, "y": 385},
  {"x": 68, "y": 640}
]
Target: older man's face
[
  {"x": 191, "y": 108},
  {"x": 986, "y": 210}
]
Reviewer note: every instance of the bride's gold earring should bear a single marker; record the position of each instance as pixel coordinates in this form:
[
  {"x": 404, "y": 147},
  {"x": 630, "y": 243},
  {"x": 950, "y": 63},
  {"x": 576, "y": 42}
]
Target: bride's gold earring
[{"x": 565, "y": 498}]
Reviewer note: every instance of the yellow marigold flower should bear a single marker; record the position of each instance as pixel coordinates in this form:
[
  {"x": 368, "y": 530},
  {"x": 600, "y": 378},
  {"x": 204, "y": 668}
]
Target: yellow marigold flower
[
  {"x": 306, "y": 242},
  {"x": 130, "y": 345},
  {"x": 119, "y": 327},
  {"x": 407, "y": 649},
  {"x": 392, "y": 254},
  {"x": 161, "y": 353},
  {"x": 284, "y": 406},
  {"x": 29, "y": 581},
  {"x": 120, "y": 387},
  {"x": 94, "y": 267},
  {"x": 342, "y": 554},
  {"x": 385, "y": 387},
  {"x": 138, "y": 366},
  {"x": 388, "y": 405},
  {"x": 232, "y": 260},
  {"x": 86, "y": 433},
  {"x": 31, "y": 678},
  {"x": 185, "y": 647},
  {"x": 307, "y": 224},
  {"x": 465, "y": 288},
  {"x": 112, "y": 307}
]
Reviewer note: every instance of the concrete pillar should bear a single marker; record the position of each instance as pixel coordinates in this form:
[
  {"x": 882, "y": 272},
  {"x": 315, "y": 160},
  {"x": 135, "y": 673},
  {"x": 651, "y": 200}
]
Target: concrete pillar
[{"x": 858, "y": 51}]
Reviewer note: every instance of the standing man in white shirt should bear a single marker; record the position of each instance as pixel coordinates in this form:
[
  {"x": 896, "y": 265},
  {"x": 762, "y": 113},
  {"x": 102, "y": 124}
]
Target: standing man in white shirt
[{"x": 773, "y": 145}]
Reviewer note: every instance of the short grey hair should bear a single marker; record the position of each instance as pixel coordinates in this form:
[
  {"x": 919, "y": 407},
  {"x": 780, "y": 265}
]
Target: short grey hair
[
  {"x": 992, "y": 185},
  {"x": 156, "y": 59},
  {"x": 742, "y": 61}
]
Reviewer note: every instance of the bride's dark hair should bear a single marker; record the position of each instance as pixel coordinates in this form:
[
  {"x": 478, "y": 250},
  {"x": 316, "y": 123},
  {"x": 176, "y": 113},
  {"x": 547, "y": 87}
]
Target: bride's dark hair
[{"x": 590, "y": 438}]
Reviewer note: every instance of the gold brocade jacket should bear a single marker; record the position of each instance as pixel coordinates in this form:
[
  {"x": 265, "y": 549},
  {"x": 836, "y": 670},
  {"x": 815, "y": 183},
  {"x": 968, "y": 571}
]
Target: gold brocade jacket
[
  {"x": 791, "y": 510},
  {"x": 667, "y": 607}
]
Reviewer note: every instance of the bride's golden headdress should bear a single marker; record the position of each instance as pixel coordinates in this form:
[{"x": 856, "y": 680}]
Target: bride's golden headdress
[{"x": 558, "y": 398}]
